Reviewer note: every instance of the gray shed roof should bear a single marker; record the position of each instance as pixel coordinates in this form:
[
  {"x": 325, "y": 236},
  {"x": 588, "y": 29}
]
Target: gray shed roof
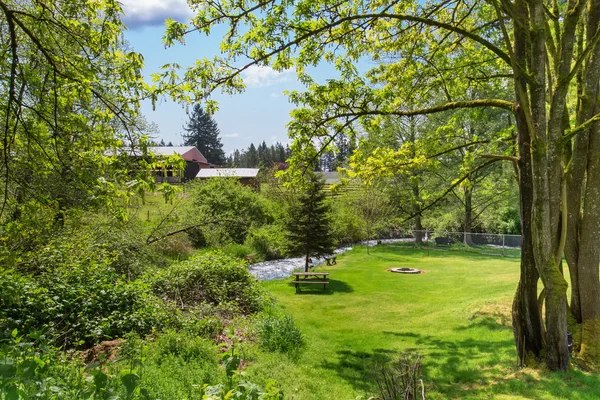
[{"x": 228, "y": 173}]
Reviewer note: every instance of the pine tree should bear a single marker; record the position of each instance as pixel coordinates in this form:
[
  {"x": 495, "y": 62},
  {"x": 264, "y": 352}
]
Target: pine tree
[
  {"x": 252, "y": 157},
  {"x": 203, "y": 132},
  {"x": 309, "y": 222}
]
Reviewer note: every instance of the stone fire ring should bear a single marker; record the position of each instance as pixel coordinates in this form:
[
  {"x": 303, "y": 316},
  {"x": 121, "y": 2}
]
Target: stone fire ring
[{"x": 405, "y": 270}]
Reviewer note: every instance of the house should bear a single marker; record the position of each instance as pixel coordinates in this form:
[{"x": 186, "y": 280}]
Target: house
[
  {"x": 194, "y": 162},
  {"x": 247, "y": 176}
]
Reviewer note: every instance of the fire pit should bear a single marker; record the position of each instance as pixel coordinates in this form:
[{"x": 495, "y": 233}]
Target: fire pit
[{"x": 405, "y": 270}]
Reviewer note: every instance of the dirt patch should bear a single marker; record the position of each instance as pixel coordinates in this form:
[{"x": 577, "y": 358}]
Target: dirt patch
[{"x": 105, "y": 351}]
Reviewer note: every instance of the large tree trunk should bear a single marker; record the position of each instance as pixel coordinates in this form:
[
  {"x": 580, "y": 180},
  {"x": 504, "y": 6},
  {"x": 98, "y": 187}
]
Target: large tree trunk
[
  {"x": 589, "y": 256},
  {"x": 527, "y": 323},
  {"x": 588, "y": 253},
  {"x": 526, "y": 318},
  {"x": 547, "y": 238}
]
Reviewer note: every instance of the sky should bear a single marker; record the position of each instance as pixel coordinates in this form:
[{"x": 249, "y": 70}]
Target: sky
[{"x": 260, "y": 113}]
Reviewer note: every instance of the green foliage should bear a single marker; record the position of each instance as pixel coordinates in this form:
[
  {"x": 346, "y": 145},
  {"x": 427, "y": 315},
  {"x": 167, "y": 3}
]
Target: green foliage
[
  {"x": 259, "y": 156},
  {"x": 212, "y": 278},
  {"x": 347, "y": 225},
  {"x": 229, "y": 210},
  {"x": 185, "y": 346},
  {"x": 176, "y": 246},
  {"x": 239, "y": 251},
  {"x": 270, "y": 241},
  {"x": 30, "y": 368},
  {"x": 309, "y": 223},
  {"x": 277, "y": 332},
  {"x": 79, "y": 305}
]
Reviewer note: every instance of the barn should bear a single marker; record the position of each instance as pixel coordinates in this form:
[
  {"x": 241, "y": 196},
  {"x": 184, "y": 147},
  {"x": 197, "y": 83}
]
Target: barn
[{"x": 194, "y": 162}]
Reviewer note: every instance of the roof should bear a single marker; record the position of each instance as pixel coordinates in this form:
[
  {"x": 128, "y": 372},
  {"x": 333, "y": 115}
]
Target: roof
[
  {"x": 228, "y": 173},
  {"x": 188, "y": 153}
]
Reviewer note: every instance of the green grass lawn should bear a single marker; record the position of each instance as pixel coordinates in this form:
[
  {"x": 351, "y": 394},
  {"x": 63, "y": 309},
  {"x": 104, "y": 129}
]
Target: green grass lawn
[{"x": 456, "y": 315}]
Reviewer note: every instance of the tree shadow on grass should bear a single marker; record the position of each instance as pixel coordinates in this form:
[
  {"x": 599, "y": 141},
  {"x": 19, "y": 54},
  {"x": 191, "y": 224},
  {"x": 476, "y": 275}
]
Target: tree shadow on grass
[
  {"x": 357, "y": 367},
  {"x": 480, "y": 368},
  {"x": 473, "y": 367},
  {"x": 333, "y": 286}
]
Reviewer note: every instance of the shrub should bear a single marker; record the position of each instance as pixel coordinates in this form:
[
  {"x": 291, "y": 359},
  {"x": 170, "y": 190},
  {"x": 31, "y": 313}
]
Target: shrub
[
  {"x": 175, "y": 247},
  {"x": 212, "y": 278},
  {"x": 232, "y": 207},
  {"x": 186, "y": 347},
  {"x": 80, "y": 305},
  {"x": 121, "y": 247},
  {"x": 348, "y": 226},
  {"x": 239, "y": 251},
  {"x": 196, "y": 237},
  {"x": 279, "y": 333},
  {"x": 269, "y": 241}
]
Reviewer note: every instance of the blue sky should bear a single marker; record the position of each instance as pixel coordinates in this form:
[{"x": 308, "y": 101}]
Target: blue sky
[{"x": 260, "y": 113}]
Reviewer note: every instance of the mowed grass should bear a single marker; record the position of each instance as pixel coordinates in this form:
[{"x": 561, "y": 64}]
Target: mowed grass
[{"x": 456, "y": 315}]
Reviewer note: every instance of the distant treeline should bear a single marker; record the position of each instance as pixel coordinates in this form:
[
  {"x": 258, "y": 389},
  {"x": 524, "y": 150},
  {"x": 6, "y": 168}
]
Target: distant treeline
[
  {"x": 267, "y": 156},
  {"x": 259, "y": 156}
]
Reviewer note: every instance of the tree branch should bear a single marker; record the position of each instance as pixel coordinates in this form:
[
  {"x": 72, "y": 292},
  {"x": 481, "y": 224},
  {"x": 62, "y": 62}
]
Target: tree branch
[{"x": 500, "y": 157}]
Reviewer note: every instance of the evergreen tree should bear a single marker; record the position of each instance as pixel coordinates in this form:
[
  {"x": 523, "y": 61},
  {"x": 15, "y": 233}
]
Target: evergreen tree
[
  {"x": 308, "y": 222},
  {"x": 251, "y": 157},
  {"x": 203, "y": 132}
]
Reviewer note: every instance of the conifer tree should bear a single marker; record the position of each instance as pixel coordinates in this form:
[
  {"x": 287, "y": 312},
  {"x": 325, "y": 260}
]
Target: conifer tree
[
  {"x": 308, "y": 222},
  {"x": 203, "y": 132}
]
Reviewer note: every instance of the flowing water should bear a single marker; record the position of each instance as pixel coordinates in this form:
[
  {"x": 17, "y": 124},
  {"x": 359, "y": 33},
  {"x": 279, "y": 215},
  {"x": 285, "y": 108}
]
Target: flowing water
[{"x": 279, "y": 269}]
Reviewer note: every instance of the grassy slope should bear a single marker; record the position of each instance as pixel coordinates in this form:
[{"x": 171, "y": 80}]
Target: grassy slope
[{"x": 456, "y": 315}]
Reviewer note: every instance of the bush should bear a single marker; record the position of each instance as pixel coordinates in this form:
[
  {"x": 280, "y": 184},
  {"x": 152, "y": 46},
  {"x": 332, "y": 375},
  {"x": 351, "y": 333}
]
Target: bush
[
  {"x": 186, "y": 347},
  {"x": 121, "y": 247},
  {"x": 232, "y": 207},
  {"x": 269, "y": 241},
  {"x": 80, "y": 305},
  {"x": 196, "y": 237},
  {"x": 212, "y": 278},
  {"x": 239, "y": 251},
  {"x": 279, "y": 333},
  {"x": 175, "y": 247},
  {"x": 348, "y": 226}
]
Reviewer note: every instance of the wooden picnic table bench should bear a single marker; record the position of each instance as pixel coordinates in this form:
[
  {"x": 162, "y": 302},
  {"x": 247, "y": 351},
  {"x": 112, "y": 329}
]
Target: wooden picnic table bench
[
  {"x": 310, "y": 278},
  {"x": 331, "y": 259}
]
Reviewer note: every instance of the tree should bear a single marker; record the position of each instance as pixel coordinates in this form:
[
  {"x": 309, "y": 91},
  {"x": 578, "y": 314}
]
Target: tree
[
  {"x": 70, "y": 88},
  {"x": 203, "y": 132},
  {"x": 308, "y": 223},
  {"x": 548, "y": 52}
]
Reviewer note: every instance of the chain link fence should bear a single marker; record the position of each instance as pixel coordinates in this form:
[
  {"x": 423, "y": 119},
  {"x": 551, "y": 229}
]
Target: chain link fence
[{"x": 483, "y": 243}]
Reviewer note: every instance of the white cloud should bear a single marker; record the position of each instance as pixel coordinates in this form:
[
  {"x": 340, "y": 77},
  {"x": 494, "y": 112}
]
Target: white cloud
[
  {"x": 139, "y": 13},
  {"x": 232, "y": 135},
  {"x": 256, "y": 76},
  {"x": 275, "y": 95}
]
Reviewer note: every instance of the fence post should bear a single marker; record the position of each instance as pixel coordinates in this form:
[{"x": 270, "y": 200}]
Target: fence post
[
  {"x": 503, "y": 245},
  {"x": 465, "y": 238}
]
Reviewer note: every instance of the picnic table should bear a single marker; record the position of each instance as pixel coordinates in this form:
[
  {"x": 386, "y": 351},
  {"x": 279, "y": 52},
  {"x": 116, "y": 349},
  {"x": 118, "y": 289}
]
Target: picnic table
[
  {"x": 331, "y": 259},
  {"x": 310, "y": 278}
]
